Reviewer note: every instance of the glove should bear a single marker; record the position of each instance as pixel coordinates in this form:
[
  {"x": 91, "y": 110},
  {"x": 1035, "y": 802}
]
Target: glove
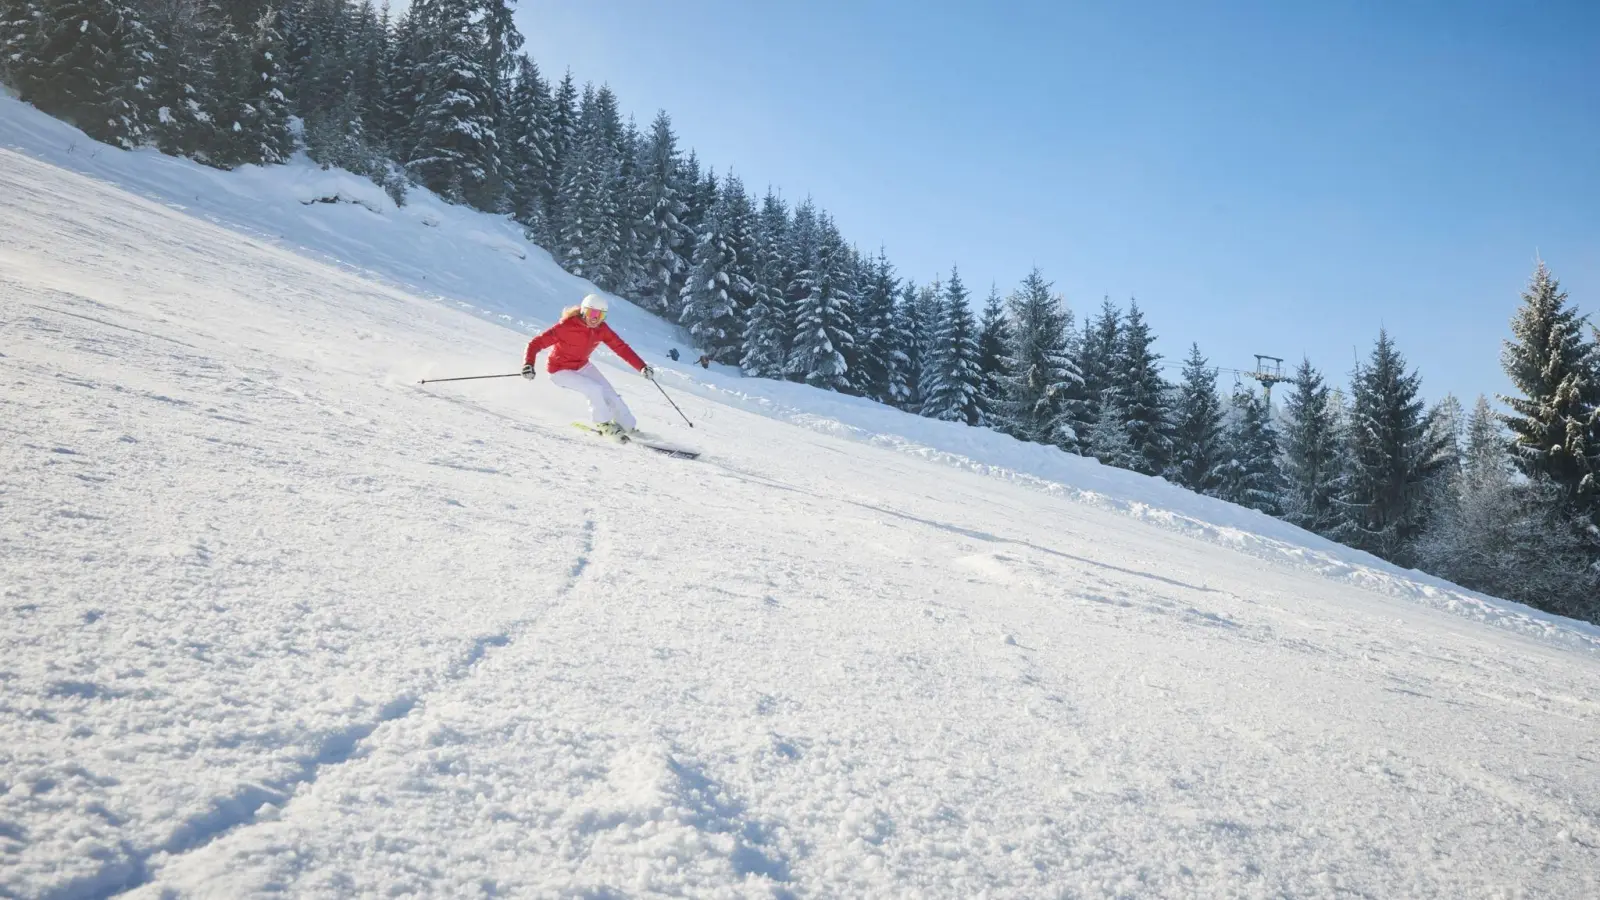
[
  {"x": 528, "y": 371},
  {"x": 648, "y": 372}
]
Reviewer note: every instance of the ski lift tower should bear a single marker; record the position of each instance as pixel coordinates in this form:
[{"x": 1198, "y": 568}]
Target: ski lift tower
[{"x": 1269, "y": 371}]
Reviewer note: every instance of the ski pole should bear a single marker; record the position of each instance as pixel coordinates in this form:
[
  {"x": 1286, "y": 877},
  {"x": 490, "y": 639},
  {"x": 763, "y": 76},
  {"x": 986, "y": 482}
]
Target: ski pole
[
  {"x": 469, "y": 378},
  {"x": 669, "y": 400}
]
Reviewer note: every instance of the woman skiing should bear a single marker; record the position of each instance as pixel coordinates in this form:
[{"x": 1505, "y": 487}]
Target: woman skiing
[{"x": 580, "y": 329}]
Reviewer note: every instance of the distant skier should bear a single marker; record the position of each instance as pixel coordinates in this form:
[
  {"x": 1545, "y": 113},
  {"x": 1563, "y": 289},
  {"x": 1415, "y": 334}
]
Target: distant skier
[{"x": 580, "y": 329}]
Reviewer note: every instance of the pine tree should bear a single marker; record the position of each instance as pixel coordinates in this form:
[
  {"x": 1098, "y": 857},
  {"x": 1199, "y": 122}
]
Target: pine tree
[
  {"x": 1312, "y": 462},
  {"x": 801, "y": 262},
  {"x": 1249, "y": 474},
  {"x": 564, "y": 134},
  {"x": 1446, "y": 427},
  {"x": 1199, "y": 451},
  {"x": 994, "y": 338},
  {"x": 1393, "y": 458},
  {"x": 824, "y": 318},
  {"x": 457, "y": 151},
  {"x": 738, "y": 219},
  {"x": 528, "y": 147},
  {"x": 588, "y": 228},
  {"x": 1098, "y": 362},
  {"x": 501, "y": 41},
  {"x": 184, "y": 91},
  {"x": 402, "y": 85},
  {"x": 1499, "y": 536},
  {"x": 953, "y": 389},
  {"x": 881, "y": 371},
  {"x": 698, "y": 190},
  {"x": 1038, "y": 376},
  {"x": 710, "y": 311},
  {"x": 1144, "y": 394},
  {"x": 1108, "y": 438},
  {"x": 254, "y": 113},
  {"x": 848, "y": 282},
  {"x": 661, "y": 233},
  {"x": 929, "y": 318},
  {"x": 22, "y": 34},
  {"x": 85, "y": 61},
  {"x": 630, "y": 204},
  {"x": 368, "y": 54},
  {"x": 908, "y": 327},
  {"x": 768, "y": 328},
  {"x": 600, "y": 137},
  {"x": 1557, "y": 372}
]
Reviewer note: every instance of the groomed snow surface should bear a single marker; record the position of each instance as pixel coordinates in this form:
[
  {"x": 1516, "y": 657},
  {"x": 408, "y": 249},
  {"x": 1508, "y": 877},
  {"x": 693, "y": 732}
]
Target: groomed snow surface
[{"x": 280, "y": 620}]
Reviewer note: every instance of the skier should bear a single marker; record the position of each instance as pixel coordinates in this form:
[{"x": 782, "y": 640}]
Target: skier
[{"x": 573, "y": 338}]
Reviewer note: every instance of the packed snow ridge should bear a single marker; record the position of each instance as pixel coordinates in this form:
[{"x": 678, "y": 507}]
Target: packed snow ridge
[{"x": 278, "y": 619}]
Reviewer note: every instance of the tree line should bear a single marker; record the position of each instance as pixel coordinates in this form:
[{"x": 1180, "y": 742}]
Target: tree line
[{"x": 442, "y": 97}]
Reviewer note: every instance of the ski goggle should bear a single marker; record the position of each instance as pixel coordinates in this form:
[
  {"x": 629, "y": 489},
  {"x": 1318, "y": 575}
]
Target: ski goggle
[{"x": 593, "y": 316}]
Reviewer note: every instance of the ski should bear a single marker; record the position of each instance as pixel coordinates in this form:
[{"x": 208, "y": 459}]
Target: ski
[{"x": 675, "y": 452}]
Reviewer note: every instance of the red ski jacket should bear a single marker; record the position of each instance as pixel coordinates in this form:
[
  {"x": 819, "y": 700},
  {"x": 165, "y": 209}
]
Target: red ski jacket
[{"x": 574, "y": 341}]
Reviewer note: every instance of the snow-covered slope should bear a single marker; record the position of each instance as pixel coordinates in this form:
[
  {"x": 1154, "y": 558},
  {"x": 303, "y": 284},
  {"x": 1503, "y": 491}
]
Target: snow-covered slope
[
  {"x": 277, "y": 619},
  {"x": 483, "y": 265}
]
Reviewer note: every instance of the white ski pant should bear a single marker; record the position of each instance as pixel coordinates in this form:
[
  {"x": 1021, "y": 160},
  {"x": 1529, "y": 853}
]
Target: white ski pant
[{"x": 605, "y": 405}]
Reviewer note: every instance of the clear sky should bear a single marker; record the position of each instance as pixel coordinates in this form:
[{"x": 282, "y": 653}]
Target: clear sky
[{"x": 1274, "y": 177}]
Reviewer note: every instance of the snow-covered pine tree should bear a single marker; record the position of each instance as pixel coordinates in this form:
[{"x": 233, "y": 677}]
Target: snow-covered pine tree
[
  {"x": 1447, "y": 423},
  {"x": 1039, "y": 377},
  {"x": 527, "y": 148},
  {"x": 738, "y": 218},
  {"x": 629, "y": 199},
  {"x": 1312, "y": 458},
  {"x": 880, "y": 361},
  {"x": 1498, "y": 535},
  {"x": 183, "y": 84},
  {"x": 850, "y": 279},
  {"x": 1098, "y": 362},
  {"x": 369, "y": 53},
  {"x": 21, "y": 36},
  {"x": 313, "y": 38},
  {"x": 1144, "y": 394},
  {"x": 800, "y": 265},
  {"x": 952, "y": 394},
  {"x": 710, "y": 312},
  {"x": 1556, "y": 371},
  {"x": 1108, "y": 438},
  {"x": 85, "y": 61},
  {"x": 908, "y": 328},
  {"x": 1392, "y": 458},
  {"x": 661, "y": 233},
  {"x": 824, "y": 317},
  {"x": 401, "y": 85},
  {"x": 607, "y": 193},
  {"x": 768, "y": 328},
  {"x": 1199, "y": 451},
  {"x": 1249, "y": 475},
  {"x": 699, "y": 192},
  {"x": 457, "y": 152},
  {"x": 563, "y": 134},
  {"x": 501, "y": 41},
  {"x": 691, "y": 186},
  {"x": 587, "y": 236},
  {"x": 930, "y": 318},
  {"x": 994, "y": 337},
  {"x": 254, "y": 113}
]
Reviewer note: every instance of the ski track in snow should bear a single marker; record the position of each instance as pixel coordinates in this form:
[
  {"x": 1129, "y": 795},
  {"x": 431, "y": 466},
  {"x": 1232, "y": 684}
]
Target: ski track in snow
[{"x": 278, "y": 620}]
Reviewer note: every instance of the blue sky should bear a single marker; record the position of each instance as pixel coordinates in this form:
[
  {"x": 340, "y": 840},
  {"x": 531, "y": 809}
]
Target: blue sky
[{"x": 1263, "y": 177}]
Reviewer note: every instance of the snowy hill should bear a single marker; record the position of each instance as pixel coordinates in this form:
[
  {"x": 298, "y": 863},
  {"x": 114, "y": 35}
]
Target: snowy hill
[{"x": 280, "y": 620}]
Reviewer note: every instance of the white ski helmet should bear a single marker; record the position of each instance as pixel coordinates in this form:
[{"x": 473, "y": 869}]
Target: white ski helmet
[{"x": 593, "y": 301}]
